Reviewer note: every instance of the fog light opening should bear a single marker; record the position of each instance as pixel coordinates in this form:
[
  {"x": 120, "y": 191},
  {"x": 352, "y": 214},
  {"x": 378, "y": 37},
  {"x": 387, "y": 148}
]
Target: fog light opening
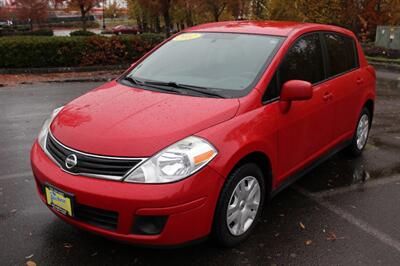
[{"x": 148, "y": 225}]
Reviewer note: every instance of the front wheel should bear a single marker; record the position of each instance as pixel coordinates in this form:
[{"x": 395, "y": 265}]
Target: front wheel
[
  {"x": 240, "y": 205},
  {"x": 360, "y": 137}
]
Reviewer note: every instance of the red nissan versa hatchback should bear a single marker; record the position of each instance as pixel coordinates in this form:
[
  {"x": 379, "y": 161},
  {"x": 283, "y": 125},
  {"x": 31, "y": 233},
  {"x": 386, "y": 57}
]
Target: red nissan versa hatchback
[{"x": 195, "y": 137}]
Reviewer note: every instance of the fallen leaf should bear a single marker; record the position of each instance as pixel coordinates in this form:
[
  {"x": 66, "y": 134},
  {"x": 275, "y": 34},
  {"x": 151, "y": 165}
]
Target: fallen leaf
[
  {"x": 67, "y": 245},
  {"x": 30, "y": 263},
  {"x": 308, "y": 242},
  {"x": 302, "y": 225},
  {"x": 29, "y": 257},
  {"x": 331, "y": 236}
]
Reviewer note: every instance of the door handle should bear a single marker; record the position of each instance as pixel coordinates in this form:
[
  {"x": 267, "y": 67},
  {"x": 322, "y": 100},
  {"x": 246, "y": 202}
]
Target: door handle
[
  {"x": 359, "y": 81},
  {"x": 327, "y": 96}
]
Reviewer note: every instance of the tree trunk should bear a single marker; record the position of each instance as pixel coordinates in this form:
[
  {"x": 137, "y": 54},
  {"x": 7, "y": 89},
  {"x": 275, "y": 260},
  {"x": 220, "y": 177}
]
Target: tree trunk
[
  {"x": 216, "y": 15},
  {"x": 140, "y": 23},
  {"x": 189, "y": 18},
  {"x": 83, "y": 18},
  {"x": 84, "y": 27},
  {"x": 258, "y": 9},
  {"x": 157, "y": 24},
  {"x": 167, "y": 21}
]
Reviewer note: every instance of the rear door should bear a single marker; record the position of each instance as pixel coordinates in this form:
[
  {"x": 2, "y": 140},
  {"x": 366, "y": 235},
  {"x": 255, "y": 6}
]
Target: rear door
[
  {"x": 307, "y": 128},
  {"x": 345, "y": 82}
]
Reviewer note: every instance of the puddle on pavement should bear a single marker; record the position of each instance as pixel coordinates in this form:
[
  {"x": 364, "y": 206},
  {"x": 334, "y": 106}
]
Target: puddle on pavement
[
  {"x": 379, "y": 160},
  {"x": 342, "y": 171}
]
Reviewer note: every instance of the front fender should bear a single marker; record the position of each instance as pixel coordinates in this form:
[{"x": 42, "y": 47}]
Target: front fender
[{"x": 254, "y": 131}]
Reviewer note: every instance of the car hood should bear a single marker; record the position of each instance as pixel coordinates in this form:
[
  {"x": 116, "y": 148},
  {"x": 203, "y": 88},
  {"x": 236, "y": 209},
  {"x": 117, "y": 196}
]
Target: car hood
[{"x": 118, "y": 120}]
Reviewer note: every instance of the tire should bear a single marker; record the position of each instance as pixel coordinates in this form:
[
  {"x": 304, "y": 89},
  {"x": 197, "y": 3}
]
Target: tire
[
  {"x": 246, "y": 176},
  {"x": 360, "y": 137}
]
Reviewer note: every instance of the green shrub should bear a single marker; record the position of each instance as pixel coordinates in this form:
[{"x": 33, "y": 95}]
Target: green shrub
[
  {"x": 41, "y": 32},
  {"x": 23, "y": 27},
  {"x": 82, "y": 33},
  {"x": 27, "y": 52}
]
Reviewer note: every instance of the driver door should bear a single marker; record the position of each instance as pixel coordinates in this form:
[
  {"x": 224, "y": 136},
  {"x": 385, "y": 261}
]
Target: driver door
[{"x": 306, "y": 129}]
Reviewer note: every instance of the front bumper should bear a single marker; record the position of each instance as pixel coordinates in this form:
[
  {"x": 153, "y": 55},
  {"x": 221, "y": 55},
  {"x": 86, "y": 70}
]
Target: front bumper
[{"x": 188, "y": 204}]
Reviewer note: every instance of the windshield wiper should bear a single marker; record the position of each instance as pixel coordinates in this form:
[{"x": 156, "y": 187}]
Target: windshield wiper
[
  {"x": 198, "y": 89},
  {"x": 146, "y": 84},
  {"x": 132, "y": 80}
]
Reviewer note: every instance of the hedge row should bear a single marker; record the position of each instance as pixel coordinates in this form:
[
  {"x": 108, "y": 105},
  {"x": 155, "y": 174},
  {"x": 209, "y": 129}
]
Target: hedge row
[
  {"x": 39, "y": 32},
  {"x": 27, "y": 52},
  {"x": 81, "y": 33},
  {"x": 374, "y": 51}
]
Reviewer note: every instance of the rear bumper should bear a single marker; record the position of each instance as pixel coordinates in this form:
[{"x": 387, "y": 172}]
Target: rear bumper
[{"x": 189, "y": 204}]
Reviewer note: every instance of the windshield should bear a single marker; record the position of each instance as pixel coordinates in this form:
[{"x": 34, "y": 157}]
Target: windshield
[{"x": 228, "y": 63}]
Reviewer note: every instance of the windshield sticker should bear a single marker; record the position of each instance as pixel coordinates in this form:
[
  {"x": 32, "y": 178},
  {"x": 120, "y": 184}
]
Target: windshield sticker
[{"x": 187, "y": 37}]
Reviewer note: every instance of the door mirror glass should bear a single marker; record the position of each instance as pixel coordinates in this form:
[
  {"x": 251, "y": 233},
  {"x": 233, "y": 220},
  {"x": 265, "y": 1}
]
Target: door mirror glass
[{"x": 296, "y": 90}]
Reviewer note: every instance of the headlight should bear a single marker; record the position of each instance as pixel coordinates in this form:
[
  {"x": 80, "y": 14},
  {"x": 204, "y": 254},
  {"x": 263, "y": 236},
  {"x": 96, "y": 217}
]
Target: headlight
[
  {"x": 46, "y": 127},
  {"x": 174, "y": 163}
]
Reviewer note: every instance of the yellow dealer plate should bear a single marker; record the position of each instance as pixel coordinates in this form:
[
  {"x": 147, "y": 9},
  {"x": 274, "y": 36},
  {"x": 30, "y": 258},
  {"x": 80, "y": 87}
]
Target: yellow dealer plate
[
  {"x": 59, "y": 200},
  {"x": 187, "y": 36}
]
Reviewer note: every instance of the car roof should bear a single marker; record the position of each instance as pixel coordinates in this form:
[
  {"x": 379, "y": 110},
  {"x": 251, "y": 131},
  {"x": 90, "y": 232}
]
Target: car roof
[{"x": 277, "y": 28}]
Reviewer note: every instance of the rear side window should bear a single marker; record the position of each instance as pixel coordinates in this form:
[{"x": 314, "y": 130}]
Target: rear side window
[
  {"x": 341, "y": 53},
  {"x": 303, "y": 61}
]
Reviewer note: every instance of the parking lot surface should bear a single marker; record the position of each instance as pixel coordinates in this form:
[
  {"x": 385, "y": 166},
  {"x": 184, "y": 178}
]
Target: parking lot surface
[{"x": 345, "y": 212}]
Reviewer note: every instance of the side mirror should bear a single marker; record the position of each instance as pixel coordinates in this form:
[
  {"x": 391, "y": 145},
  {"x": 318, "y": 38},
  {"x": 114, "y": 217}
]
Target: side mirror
[{"x": 296, "y": 90}]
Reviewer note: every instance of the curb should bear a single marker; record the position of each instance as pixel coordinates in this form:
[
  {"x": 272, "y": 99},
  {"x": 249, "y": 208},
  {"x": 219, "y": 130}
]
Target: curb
[
  {"x": 70, "y": 80},
  {"x": 48, "y": 70},
  {"x": 104, "y": 79}
]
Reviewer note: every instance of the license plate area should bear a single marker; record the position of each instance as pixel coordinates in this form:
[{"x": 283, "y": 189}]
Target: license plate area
[{"x": 59, "y": 200}]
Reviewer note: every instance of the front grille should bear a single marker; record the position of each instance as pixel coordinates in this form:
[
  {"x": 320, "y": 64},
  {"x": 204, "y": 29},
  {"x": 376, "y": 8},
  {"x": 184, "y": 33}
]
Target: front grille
[
  {"x": 87, "y": 164},
  {"x": 97, "y": 217}
]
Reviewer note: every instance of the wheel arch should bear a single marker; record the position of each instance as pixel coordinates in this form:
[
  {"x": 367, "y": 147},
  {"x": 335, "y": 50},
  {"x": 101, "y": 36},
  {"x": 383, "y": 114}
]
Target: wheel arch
[
  {"x": 370, "y": 105},
  {"x": 261, "y": 160}
]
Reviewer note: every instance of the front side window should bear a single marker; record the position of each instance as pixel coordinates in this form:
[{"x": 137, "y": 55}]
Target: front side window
[
  {"x": 227, "y": 63},
  {"x": 341, "y": 53},
  {"x": 303, "y": 61}
]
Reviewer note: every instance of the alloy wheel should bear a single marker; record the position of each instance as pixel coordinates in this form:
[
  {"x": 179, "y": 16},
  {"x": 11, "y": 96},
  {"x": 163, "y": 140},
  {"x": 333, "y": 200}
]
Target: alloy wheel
[
  {"x": 362, "y": 131},
  {"x": 243, "y": 205}
]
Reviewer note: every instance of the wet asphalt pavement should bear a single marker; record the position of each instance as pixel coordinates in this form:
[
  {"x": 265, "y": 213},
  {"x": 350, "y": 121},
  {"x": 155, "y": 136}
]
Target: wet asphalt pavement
[{"x": 345, "y": 212}]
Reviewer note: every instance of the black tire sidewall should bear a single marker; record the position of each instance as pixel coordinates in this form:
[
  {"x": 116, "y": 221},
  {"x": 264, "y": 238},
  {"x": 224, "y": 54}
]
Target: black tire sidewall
[{"x": 220, "y": 228}]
